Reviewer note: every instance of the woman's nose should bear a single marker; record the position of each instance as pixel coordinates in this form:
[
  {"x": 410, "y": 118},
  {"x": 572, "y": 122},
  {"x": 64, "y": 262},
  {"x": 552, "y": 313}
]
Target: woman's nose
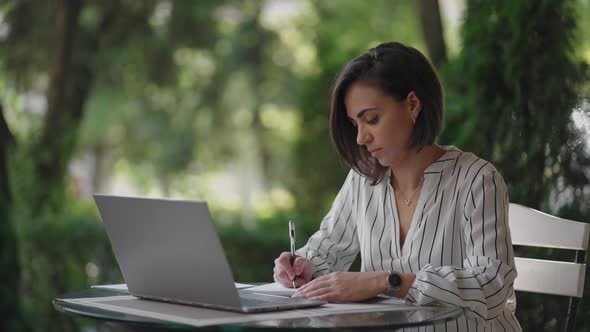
[{"x": 362, "y": 136}]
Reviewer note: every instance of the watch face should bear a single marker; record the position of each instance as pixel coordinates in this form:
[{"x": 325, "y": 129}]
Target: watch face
[{"x": 394, "y": 280}]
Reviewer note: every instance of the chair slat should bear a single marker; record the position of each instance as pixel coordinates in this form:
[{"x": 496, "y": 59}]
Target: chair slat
[
  {"x": 530, "y": 227},
  {"x": 549, "y": 277}
]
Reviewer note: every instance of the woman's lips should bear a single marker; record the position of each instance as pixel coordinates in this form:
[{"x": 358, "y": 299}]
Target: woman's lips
[{"x": 375, "y": 153}]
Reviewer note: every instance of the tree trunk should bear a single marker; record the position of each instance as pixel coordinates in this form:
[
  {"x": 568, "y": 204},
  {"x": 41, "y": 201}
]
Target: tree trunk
[
  {"x": 430, "y": 21},
  {"x": 6, "y": 143},
  {"x": 52, "y": 152},
  {"x": 9, "y": 258}
]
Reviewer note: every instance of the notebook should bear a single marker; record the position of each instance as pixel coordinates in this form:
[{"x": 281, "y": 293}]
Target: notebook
[{"x": 169, "y": 250}]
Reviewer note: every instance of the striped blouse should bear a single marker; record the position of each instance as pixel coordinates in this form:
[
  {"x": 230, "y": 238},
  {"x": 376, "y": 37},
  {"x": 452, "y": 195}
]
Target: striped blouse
[{"x": 458, "y": 244}]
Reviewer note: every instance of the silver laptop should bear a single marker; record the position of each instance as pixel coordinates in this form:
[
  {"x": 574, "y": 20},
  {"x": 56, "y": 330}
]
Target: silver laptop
[{"x": 169, "y": 250}]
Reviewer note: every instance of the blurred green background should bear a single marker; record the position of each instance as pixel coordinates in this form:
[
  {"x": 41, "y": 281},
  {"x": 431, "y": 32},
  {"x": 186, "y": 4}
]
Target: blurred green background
[{"x": 227, "y": 101}]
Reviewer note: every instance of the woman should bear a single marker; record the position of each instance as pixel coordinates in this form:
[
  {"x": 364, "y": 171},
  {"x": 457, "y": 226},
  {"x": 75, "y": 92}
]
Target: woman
[{"x": 430, "y": 222}]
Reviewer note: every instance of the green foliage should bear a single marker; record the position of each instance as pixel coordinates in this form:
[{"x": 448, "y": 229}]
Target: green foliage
[
  {"x": 9, "y": 264},
  {"x": 59, "y": 255},
  {"x": 513, "y": 90},
  {"x": 59, "y": 251}
]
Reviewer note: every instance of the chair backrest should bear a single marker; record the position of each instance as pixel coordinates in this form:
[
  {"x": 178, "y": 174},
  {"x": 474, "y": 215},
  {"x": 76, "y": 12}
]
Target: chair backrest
[{"x": 534, "y": 228}]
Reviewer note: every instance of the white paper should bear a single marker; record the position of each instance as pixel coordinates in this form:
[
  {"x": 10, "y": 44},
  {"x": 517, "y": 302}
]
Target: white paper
[
  {"x": 242, "y": 286},
  {"x": 274, "y": 289},
  {"x": 123, "y": 287},
  {"x": 278, "y": 289}
]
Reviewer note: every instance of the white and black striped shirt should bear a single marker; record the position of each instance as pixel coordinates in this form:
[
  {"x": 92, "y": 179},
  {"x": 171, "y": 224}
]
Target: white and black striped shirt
[{"x": 458, "y": 244}]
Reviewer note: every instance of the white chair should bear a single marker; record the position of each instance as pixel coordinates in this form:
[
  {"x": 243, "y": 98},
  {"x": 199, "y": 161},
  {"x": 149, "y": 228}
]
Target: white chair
[{"x": 534, "y": 228}]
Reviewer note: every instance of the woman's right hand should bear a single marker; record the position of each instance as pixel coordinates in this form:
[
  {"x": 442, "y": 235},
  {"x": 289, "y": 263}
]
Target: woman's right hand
[{"x": 284, "y": 273}]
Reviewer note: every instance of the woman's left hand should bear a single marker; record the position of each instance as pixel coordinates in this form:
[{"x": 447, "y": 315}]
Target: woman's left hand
[{"x": 345, "y": 286}]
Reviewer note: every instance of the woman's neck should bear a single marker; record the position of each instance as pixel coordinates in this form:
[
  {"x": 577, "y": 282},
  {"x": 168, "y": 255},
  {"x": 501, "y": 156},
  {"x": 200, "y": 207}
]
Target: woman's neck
[{"x": 408, "y": 175}]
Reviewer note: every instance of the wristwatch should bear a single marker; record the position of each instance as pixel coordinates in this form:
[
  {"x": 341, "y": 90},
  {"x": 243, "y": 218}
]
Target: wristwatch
[{"x": 395, "y": 281}]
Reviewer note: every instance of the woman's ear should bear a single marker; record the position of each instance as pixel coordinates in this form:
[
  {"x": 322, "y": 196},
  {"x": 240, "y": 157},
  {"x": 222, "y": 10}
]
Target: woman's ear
[
  {"x": 415, "y": 105},
  {"x": 414, "y": 102}
]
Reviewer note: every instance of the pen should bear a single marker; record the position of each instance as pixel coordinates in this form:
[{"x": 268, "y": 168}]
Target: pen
[{"x": 292, "y": 240}]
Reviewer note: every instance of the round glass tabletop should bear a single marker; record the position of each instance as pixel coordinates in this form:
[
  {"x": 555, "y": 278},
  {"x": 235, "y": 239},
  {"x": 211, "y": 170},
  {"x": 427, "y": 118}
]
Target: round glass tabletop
[{"x": 421, "y": 316}]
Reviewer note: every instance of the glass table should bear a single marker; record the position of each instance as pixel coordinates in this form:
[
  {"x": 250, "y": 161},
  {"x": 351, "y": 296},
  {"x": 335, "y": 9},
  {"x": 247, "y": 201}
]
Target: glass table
[{"x": 389, "y": 320}]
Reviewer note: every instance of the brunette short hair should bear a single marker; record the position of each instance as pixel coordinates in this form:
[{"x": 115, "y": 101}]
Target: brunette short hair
[{"x": 396, "y": 70}]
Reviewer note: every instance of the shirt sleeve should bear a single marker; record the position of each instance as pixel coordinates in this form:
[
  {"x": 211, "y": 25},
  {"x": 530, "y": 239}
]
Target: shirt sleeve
[
  {"x": 484, "y": 284},
  {"x": 335, "y": 245}
]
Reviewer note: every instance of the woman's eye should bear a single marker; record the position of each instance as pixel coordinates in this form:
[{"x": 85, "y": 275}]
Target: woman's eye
[{"x": 373, "y": 121}]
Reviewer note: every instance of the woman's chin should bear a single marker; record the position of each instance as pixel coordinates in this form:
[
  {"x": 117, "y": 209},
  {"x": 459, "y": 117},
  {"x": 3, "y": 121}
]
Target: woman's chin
[{"x": 383, "y": 162}]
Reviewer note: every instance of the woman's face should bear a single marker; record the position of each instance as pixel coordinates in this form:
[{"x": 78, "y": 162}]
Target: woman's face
[{"x": 384, "y": 125}]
